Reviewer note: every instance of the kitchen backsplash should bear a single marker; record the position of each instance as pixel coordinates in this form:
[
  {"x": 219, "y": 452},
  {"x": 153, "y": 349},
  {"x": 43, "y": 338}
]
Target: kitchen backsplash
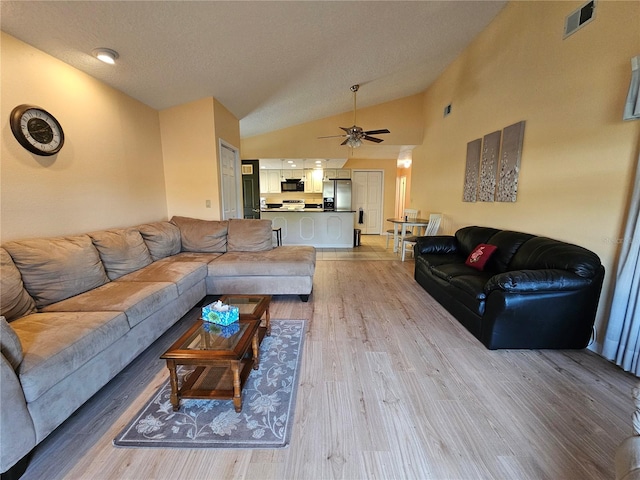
[{"x": 278, "y": 197}]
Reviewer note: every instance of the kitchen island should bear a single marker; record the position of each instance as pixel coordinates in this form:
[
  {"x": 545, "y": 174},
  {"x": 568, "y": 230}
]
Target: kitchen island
[{"x": 313, "y": 226}]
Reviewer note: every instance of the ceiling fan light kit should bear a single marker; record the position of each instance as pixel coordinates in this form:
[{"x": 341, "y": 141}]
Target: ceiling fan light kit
[{"x": 355, "y": 134}]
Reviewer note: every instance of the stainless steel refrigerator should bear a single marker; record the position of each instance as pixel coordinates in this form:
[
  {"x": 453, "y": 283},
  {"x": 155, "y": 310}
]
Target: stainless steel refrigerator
[{"x": 336, "y": 194}]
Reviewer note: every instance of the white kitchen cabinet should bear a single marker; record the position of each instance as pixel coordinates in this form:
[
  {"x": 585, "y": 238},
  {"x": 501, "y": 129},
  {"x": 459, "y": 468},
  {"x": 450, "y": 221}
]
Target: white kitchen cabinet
[
  {"x": 313, "y": 182},
  {"x": 343, "y": 173},
  {"x": 317, "y": 181},
  {"x": 308, "y": 182},
  {"x": 330, "y": 173},
  {"x": 264, "y": 181},
  {"x": 270, "y": 181},
  {"x": 275, "y": 178},
  {"x": 292, "y": 173}
]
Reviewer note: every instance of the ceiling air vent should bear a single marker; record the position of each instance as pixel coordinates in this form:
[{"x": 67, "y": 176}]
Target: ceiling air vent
[{"x": 579, "y": 18}]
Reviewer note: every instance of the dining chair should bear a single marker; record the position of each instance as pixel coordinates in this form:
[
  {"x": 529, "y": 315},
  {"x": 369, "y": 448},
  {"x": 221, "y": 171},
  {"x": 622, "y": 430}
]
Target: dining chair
[
  {"x": 432, "y": 229},
  {"x": 411, "y": 214}
]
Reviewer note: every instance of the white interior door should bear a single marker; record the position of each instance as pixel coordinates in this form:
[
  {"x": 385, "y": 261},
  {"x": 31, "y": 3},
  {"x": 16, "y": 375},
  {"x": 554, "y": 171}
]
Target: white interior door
[
  {"x": 231, "y": 189},
  {"x": 367, "y": 194}
]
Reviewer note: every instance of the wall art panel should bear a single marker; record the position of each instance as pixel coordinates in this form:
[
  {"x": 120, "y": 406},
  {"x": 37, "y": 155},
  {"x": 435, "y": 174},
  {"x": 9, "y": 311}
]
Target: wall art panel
[
  {"x": 472, "y": 171},
  {"x": 511, "y": 151},
  {"x": 489, "y": 166}
]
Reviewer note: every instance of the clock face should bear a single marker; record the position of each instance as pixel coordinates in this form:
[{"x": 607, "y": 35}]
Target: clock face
[{"x": 36, "y": 130}]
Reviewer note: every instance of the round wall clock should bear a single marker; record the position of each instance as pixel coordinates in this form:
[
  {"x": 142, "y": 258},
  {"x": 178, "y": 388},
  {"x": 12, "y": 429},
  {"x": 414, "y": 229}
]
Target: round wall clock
[{"x": 36, "y": 130}]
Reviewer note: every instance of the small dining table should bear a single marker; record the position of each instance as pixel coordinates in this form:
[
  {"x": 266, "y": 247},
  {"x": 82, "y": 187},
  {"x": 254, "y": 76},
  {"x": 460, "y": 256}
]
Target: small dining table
[{"x": 402, "y": 223}]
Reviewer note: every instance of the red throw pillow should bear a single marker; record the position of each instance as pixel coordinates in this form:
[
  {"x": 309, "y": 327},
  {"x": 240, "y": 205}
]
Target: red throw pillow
[{"x": 480, "y": 256}]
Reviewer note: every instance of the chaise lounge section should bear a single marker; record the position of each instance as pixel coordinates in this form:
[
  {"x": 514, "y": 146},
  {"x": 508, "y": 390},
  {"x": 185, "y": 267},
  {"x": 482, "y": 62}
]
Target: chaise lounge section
[{"x": 76, "y": 310}]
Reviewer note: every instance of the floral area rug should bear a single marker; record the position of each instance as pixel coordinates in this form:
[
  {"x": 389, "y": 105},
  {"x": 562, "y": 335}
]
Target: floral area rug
[{"x": 268, "y": 401}]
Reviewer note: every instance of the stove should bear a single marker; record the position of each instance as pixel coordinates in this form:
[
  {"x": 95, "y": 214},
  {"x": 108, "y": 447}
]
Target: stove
[{"x": 293, "y": 204}]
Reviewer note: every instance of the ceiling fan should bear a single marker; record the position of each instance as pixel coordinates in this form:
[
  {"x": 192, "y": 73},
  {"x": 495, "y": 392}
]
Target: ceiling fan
[{"x": 355, "y": 134}]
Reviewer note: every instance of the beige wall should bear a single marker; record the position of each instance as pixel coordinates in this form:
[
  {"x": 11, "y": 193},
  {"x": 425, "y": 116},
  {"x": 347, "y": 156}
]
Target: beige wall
[
  {"x": 190, "y": 160},
  {"x": 190, "y": 145},
  {"x": 227, "y": 127},
  {"x": 109, "y": 172},
  {"x": 578, "y": 155}
]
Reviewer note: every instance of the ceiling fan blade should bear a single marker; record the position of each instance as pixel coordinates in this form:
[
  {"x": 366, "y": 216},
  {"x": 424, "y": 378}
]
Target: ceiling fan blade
[
  {"x": 334, "y": 136},
  {"x": 376, "y": 132},
  {"x": 345, "y": 142},
  {"x": 373, "y": 139}
]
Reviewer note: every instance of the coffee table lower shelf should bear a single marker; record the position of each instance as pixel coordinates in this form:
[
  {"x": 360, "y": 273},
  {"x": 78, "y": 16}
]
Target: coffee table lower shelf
[
  {"x": 216, "y": 382},
  {"x": 219, "y": 373}
]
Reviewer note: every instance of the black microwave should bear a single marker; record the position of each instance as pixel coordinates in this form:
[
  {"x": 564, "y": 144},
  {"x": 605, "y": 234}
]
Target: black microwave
[{"x": 292, "y": 185}]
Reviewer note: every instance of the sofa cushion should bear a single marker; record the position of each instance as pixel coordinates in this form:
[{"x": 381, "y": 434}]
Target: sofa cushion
[
  {"x": 184, "y": 274},
  {"x": 138, "y": 300},
  {"x": 121, "y": 251},
  {"x": 437, "y": 244},
  {"x": 192, "y": 257},
  {"x": 508, "y": 244},
  {"x": 469, "y": 237},
  {"x": 10, "y": 345},
  {"x": 15, "y": 301},
  {"x": 197, "y": 235},
  {"x": 57, "y": 344},
  {"x": 450, "y": 270},
  {"x": 289, "y": 260},
  {"x": 434, "y": 259},
  {"x": 53, "y": 269},
  {"x": 542, "y": 252},
  {"x": 249, "y": 235},
  {"x": 480, "y": 255},
  {"x": 162, "y": 239}
]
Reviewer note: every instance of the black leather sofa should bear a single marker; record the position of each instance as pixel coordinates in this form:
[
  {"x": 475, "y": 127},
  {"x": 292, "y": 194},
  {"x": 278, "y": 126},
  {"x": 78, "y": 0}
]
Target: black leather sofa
[{"x": 534, "y": 292}]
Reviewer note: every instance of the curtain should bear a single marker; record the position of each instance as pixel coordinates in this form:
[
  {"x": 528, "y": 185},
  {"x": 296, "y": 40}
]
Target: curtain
[
  {"x": 632, "y": 106},
  {"x": 622, "y": 339}
]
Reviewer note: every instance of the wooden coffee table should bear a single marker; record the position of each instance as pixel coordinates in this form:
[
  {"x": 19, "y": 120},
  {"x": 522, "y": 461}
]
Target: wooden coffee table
[
  {"x": 220, "y": 354},
  {"x": 221, "y": 360}
]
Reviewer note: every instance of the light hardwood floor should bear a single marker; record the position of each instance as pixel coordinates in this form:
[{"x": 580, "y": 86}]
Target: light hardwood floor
[{"x": 391, "y": 387}]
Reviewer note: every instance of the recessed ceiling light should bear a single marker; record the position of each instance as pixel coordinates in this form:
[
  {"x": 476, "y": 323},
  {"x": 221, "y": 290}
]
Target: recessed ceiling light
[{"x": 106, "y": 55}]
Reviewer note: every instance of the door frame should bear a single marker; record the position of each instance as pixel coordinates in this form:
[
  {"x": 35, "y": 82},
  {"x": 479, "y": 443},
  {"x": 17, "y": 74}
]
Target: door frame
[
  {"x": 237, "y": 172},
  {"x": 382, "y": 219},
  {"x": 255, "y": 175},
  {"x": 401, "y": 195}
]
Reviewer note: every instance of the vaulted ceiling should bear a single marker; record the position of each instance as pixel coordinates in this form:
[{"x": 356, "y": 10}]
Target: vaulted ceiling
[{"x": 273, "y": 64}]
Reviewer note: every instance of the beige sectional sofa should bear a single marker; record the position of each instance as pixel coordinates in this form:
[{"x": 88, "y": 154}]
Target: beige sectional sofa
[{"x": 76, "y": 310}]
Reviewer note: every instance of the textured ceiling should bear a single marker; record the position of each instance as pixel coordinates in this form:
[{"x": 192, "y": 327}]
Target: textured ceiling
[{"x": 272, "y": 64}]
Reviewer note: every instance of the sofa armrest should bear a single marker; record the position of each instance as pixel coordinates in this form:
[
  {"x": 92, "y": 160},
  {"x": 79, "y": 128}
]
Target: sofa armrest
[
  {"x": 18, "y": 432},
  {"x": 438, "y": 244},
  {"x": 536, "y": 281}
]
